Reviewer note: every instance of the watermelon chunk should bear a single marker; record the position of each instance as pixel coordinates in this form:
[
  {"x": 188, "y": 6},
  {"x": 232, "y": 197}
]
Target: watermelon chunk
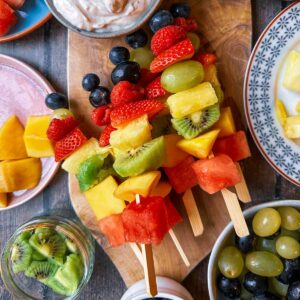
[
  {"x": 216, "y": 173},
  {"x": 15, "y": 3},
  {"x": 112, "y": 227},
  {"x": 8, "y": 18},
  {"x": 235, "y": 146},
  {"x": 182, "y": 176},
  {"x": 173, "y": 215}
]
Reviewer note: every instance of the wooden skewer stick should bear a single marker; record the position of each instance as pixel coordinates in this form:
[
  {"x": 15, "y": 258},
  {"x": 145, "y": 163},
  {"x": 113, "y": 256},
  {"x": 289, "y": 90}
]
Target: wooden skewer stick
[
  {"x": 193, "y": 212},
  {"x": 242, "y": 188},
  {"x": 137, "y": 251}
]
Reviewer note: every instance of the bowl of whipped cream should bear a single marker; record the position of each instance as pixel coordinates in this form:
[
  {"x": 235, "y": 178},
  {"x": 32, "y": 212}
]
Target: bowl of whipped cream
[{"x": 103, "y": 18}]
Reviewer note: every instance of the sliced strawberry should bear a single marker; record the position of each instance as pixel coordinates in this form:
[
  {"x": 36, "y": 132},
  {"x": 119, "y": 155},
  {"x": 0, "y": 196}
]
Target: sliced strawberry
[
  {"x": 206, "y": 59},
  {"x": 8, "y": 18},
  {"x": 125, "y": 92},
  {"x": 155, "y": 90},
  {"x": 167, "y": 37},
  {"x": 71, "y": 142},
  {"x": 146, "y": 77},
  {"x": 105, "y": 135},
  {"x": 101, "y": 115},
  {"x": 188, "y": 24},
  {"x": 180, "y": 51},
  {"x": 58, "y": 128},
  {"x": 134, "y": 110}
]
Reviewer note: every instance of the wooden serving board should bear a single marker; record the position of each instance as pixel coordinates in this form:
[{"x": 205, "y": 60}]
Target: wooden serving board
[{"x": 226, "y": 24}]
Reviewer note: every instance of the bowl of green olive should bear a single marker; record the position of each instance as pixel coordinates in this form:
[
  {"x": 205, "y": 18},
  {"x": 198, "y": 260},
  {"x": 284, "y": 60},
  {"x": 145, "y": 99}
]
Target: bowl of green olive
[{"x": 265, "y": 265}]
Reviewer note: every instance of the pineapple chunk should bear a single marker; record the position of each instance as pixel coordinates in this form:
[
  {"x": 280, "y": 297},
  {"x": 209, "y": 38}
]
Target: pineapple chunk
[
  {"x": 280, "y": 111},
  {"x": 102, "y": 200},
  {"x": 189, "y": 101},
  {"x": 11, "y": 140},
  {"x": 35, "y": 137},
  {"x": 142, "y": 185},
  {"x": 225, "y": 123},
  {"x": 19, "y": 174},
  {"x": 162, "y": 189},
  {"x": 132, "y": 135},
  {"x": 173, "y": 155},
  {"x": 292, "y": 73},
  {"x": 292, "y": 127},
  {"x": 89, "y": 149},
  {"x": 200, "y": 146},
  {"x": 211, "y": 75},
  {"x": 3, "y": 200}
]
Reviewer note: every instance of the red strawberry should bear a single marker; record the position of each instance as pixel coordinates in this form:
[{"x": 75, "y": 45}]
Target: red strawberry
[
  {"x": 180, "y": 51},
  {"x": 166, "y": 37},
  {"x": 71, "y": 142},
  {"x": 58, "y": 129},
  {"x": 131, "y": 111},
  {"x": 125, "y": 92},
  {"x": 146, "y": 77},
  {"x": 155, "y": 90},
  {"x": 188, "y": 24},
  {"x": 206, "y": 59},
  {"x": 101, "y": 115},
  {"x": 105, "y": 135},
  {"x": 8, "y": 18}
]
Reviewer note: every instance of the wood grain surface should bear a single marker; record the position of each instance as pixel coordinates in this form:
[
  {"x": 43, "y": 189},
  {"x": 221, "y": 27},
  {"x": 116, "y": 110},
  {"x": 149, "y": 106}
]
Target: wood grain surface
[
  {"x": 227, "y": 26},
  {"x": 46, "y": 50}
]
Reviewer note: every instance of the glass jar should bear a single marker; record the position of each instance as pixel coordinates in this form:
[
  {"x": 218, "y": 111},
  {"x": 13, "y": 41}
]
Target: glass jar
[{"x": 22, "y": 287}]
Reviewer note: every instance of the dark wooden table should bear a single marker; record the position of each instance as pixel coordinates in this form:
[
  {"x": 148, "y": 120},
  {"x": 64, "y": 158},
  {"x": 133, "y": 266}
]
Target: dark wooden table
[{"x": 45, "y": 49}]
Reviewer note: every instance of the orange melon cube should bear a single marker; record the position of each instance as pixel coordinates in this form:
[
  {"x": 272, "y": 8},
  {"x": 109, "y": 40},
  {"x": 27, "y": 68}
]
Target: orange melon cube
[{"x": 225, "y": 123}]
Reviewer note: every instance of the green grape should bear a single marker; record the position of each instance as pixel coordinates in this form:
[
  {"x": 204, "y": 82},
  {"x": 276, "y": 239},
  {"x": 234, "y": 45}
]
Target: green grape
[
  {"x": 290, "y": 218},
  {"x": 292, "y": 233},
  {"x": 143, "y": 56},
  {"x": 182, "y": 76},
  {"x": 61, "y": 113},
  {"x": 194, "y": 38},
  {"x": 287, "y": 247},
  {"x": 266, "y": 222},
  {"x": 263, "y": 244},
  {"x": 264, "y": 263},
  {"x": 277, "y": 287},
  {"x": 230, "y": 262},
  {"x": 245, "y": 295}
]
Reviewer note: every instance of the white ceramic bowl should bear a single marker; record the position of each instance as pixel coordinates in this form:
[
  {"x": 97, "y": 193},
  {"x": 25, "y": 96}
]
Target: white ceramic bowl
[{"x": 225, "y": 237}]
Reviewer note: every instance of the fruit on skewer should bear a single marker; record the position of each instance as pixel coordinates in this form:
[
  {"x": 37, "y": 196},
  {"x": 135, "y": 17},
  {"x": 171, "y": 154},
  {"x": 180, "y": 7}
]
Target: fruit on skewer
[
  {"x": 3, "y": 200},
  {"x": 8, "y": 18}
]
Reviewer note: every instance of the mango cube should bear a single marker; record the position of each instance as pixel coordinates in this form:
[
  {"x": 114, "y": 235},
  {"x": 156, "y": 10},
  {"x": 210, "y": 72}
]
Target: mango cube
[
  {"x": 35, "y": 137},
  {"x": 280, "y": 112},
  {"x": 3, "y": 200},
  {"x": 225, "y": 123},
  {"x": 102, "y": 199},
  {"x": 19, "y": 174},
  {"x": 292, "y": 127},
  {"x": 162, "y": 189},
  {"x": 11, "y": 140},
  {"x": 192, "y": 100},
  {"x": 142, "y": 185},
  {"x": 200, "y": 146},
  {"x": 292, "y": 72},
  {"x": 174, "y": 155}
]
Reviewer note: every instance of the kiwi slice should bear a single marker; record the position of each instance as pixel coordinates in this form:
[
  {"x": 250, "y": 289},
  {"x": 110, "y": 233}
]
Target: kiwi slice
[
  {"x": 41, "y": 270},
  {"x": 191, "y": 126},
  {"x": 25, "y": 235},
  {"x": 36, "y": 256},
  {"x": 44, "y": 231},
  {"x": 52, "y": 247},
  {"x": 161, "y": 126},
  {"x": 20, "y": 255},
  {"x": 148, "y": 157},
  {"x": 71, "y": 246},
  {"x": 58, "y": 287}
]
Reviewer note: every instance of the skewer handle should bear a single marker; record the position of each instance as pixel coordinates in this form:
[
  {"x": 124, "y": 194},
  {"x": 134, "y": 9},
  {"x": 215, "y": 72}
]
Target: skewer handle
[
  {"x": 179, "y": 248},
  {"x": 242, "y": 188}
]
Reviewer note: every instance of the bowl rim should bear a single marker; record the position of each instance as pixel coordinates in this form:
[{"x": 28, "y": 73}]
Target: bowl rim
[
  {"x": 99, "y": 34},
  {"x": 229, "y": 227}
]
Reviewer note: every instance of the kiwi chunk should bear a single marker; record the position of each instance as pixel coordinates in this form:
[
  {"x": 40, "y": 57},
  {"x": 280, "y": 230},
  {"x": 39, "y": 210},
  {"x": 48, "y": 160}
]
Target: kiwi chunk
[
  {"x": 58, "y": 287},
  {"x": 41, "y": 270},
  {"x": 52, "y": 247},
  {"x": 148, "y": 157},
  {"x": 20, "y": 255},
  {"x": 191, "y": 126},
  {"x": 161, "y": 126},
  {"x": 71, "y": 246},
  {"x": 44, "y": 231},
  {"x": 36, "y": 256}
]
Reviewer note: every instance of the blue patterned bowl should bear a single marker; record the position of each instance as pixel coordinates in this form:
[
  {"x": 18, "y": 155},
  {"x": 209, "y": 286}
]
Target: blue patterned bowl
[
  {"x": 263, "y": 84},
  {"x": 32, "y": 15}
]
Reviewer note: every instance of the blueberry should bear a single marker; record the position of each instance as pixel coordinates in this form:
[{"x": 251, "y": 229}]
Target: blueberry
[
  {"x": 245, "y": 244},
  {"x": 56, "y": 100},
  {"x": 137, "y": 39},
  {"x": 180, "y": 10},
  {"x": 254, "y": 283},
  {"x": 90, "y": 82},
  {"x": 293, "y": 292},
  {"x": 119, "y": 54},
  {"x": 291, "y": 268},
  {"x": 230, "y": 288},
  {"x": 100, "y": 96},
  {"x": 161, "y": 19},
  {"x": 265, "y": 296},
  {"x": 128, "y": 71}
]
